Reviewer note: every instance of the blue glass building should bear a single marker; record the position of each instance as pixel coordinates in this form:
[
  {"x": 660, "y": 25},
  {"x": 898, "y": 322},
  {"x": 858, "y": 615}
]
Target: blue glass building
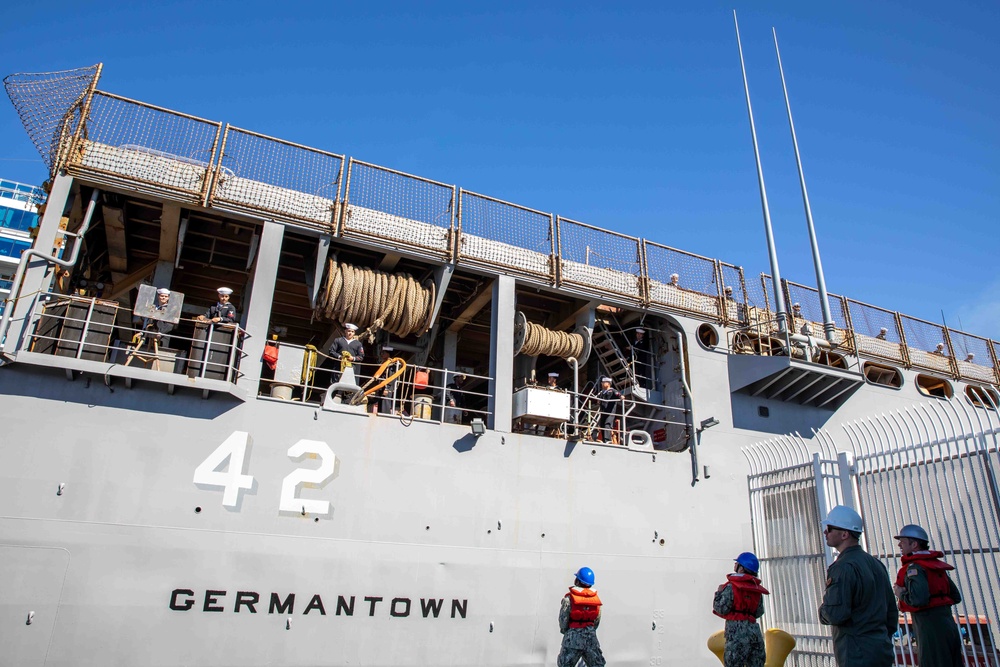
[{"x": 18, "y": 216}]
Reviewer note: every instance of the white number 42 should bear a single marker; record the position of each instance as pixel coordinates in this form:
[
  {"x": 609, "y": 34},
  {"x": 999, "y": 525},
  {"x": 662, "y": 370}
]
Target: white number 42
[{"x": 232, "y": 455}]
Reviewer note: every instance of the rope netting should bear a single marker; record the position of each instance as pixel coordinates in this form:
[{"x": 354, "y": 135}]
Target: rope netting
[
  {"x": 539, "y": 340},
  {"x": 400, "y": 207},
  {"x": 876, "y": 332},
  {"x": 507, "y": 235},
  {"x": 378, "y": 300},
  {"x": 261, "y": 173},
  {"x": 682, "y": 280},
  {"x": 596, "y": 258},
  {"x": 49, "y": 105},
  {"x": 927, "y": 344},
  {"x": 147, "y": 144}
]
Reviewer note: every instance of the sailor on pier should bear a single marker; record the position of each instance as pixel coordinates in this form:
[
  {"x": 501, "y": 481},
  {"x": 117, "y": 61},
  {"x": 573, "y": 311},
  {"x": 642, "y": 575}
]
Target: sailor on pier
[{"x": 579, "y": 616}]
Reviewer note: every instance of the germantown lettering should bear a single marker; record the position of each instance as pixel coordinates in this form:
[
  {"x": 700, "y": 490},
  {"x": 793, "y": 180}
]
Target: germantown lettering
[{"x": 250, "y": 602}]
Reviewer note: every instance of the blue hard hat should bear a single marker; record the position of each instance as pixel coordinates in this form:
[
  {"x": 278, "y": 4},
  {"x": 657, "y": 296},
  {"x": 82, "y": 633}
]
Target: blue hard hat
[
  {"x": 749, "y": 562},
  {"x": 586, "y": 576}
]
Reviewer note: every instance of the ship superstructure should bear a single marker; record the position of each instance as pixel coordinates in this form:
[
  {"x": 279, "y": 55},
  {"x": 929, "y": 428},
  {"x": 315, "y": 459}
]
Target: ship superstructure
[{"x": 220, "y": 493}]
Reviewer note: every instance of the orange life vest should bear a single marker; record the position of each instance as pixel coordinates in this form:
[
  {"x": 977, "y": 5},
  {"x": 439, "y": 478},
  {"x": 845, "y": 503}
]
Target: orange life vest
[
  {"x": 937, "y": 579},
  {"x": 584, "y": 607},
  {"x": 747, "y": 592}
]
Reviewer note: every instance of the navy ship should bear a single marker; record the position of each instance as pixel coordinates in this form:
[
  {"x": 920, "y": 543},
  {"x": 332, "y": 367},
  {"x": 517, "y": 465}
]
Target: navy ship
[{"x": 189, "y": 479}]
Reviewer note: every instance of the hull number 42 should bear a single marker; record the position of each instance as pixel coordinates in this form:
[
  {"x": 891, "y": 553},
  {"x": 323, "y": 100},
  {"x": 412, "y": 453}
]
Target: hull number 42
[{"x": 233, "y": 456}]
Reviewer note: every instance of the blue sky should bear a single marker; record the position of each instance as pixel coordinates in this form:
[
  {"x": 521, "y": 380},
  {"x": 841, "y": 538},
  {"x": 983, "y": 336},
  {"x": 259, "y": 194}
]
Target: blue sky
[{"x": 629, "y": 116}]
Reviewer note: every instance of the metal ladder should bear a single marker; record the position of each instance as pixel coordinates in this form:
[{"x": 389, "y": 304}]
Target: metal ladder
[{"x": 612, "y": 358}]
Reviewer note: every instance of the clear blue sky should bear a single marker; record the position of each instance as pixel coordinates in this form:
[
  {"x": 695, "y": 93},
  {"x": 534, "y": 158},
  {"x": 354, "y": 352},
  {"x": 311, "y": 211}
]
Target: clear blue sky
[{"x": 629, "y": 116}]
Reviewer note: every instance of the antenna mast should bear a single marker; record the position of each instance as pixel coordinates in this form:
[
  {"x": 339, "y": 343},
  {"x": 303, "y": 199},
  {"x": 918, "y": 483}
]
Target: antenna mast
[
  {"x": 772, "y": 253},
  {"x": 828, "y": 326}
]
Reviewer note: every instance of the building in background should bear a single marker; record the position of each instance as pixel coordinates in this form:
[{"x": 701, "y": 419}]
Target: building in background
[{"x": 18, "y": 216}]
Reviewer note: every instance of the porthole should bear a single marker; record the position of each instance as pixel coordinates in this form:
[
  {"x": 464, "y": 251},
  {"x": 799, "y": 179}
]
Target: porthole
[
  {"x": 887, "y": 376},
  {"x": 982, "y": 397},
  {"x": 928, "y": 385},
  {"x": 708, "y": 336}
]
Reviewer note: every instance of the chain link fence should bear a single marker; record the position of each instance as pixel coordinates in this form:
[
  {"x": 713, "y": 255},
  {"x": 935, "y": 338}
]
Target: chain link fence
[
  {"x": 505, "y": 235},
  {"x": 261, "y": 174}
]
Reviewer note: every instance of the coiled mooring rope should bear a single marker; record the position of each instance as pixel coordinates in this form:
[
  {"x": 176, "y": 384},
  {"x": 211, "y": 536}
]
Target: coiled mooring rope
[
  {"x": 396, "y": 303},
  {"x": 539, "y": 340}
]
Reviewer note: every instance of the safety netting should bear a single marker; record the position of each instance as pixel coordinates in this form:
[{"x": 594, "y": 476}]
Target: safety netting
[
  {"x": 263, "y": 174},
  {"x": 399, "y": 207},
  {"x": 50, "y": 106},
  {"x": 682, "y": 280},
  {"x": 506, "y": 235},
  {"x": 877, "y": 332},
  {"x": 599, "y": 260},
  {"x": 927, "y": 345}
]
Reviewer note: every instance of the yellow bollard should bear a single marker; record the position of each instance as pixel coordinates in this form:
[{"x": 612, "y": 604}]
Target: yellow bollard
[
  {"x": 717, "y": 645},
  {"x": 777, "y": 645}
]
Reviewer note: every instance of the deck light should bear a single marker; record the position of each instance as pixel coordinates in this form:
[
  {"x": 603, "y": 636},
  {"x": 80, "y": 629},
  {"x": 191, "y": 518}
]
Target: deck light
[{"x": 478, "y": 427}]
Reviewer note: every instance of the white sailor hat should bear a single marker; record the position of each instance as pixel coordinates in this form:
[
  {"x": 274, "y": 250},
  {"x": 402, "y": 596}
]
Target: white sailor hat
[
  {"x": 352, "y": 327},
  {"x": 640, "y": 330},
  {"x": 605, "y": 379},
  {"x": 553, "y": 375},
  {"x": 224, "y": 290},
  {"x": 163, "y": 290},
  {"x": 388, "y": 348}
]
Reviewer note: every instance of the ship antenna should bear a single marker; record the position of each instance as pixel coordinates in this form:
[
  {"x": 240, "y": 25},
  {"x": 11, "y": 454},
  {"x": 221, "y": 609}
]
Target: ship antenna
[
  {"x": 829, "y": 327},
  {"x": 772, "y": 253}
]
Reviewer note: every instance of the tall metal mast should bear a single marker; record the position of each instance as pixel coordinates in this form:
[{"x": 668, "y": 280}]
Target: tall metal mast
[
  {"x": 828, "y": 326},
  {"x": 772, "y": 253}
]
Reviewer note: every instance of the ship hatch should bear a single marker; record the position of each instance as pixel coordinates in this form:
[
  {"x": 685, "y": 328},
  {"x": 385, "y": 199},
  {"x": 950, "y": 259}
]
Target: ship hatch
[{"x": 793, "y": 381}]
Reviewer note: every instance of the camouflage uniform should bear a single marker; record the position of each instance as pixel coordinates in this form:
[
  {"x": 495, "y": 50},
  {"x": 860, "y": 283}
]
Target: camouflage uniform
[
  {"x": 861, "y": 608},
  {"x": 578, "y": 642},
  {"x": 744, "y": 640}
]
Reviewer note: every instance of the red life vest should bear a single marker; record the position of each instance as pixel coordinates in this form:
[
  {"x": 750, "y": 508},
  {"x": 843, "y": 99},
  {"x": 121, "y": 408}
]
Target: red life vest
[
  {"x": 584, "y": 607},
  {"x": 937, "y": 579},
  {"x": 747, "y": 592}
]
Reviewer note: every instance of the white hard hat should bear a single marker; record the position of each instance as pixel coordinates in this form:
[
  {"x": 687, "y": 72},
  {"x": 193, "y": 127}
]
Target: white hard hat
[
  {"x": 224, "y": 290},
  {"x": 351, "y": 327},
  {"x": 845, "y": 518},
  {"x": 163, "y": 290},
  {"x": 913, "y": 531}
]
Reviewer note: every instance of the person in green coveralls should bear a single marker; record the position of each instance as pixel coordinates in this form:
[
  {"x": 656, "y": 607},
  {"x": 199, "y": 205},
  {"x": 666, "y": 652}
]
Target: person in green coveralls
[
  {"x": 858, "y": 602},
  {"x": 926, "y": 591}
]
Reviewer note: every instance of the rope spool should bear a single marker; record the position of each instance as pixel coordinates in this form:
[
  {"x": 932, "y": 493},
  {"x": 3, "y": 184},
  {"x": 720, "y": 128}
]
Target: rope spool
[
  {"x": 394, "y": 302},
  {"x": 535, "y": 339}
]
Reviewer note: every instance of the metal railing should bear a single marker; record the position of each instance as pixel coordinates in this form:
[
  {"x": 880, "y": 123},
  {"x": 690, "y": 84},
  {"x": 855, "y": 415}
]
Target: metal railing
[
  {"x": 174, "y": 154},
  {"x": 88, "y": 329},
  {"x": 303, "y": 373}
]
